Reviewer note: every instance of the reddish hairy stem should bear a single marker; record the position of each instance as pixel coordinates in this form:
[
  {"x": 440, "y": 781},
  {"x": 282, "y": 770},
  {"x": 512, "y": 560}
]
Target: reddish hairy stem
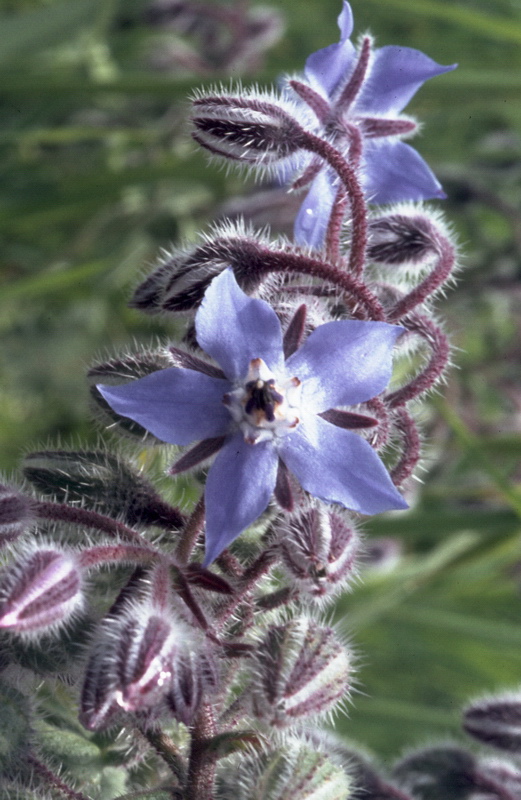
[
  {"x": 435, "y": 278},
  {"x": 53, "y": 780},
  {"x": 201, "y": 767},
  {"x": 287, "y": 262},
  {"x": 191, "y": 533},
  {"x": 439, "y": 345},
  {"x": 406, "y": 426},
  {"x": 356, "y": 196},
  {"x": 334, "y": 226},
  {"x": 117, "y": 553},
  {"x": 60, "y": 512}
]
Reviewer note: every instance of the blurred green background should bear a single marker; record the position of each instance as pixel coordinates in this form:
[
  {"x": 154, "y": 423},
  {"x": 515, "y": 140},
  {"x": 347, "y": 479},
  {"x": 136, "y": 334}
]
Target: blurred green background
[{"x": 98, "y": 172}]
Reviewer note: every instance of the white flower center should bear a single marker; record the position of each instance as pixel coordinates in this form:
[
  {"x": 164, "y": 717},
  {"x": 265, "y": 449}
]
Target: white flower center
[{"x": 264, "y": 407}]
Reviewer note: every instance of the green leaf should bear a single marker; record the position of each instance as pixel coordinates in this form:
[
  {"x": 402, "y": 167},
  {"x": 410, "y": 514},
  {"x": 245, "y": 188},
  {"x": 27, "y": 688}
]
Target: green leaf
[{"x": 25, "y": 34}]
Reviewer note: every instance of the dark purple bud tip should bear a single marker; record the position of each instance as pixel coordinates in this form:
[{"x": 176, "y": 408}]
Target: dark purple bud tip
[
  {"x": 254, "y": 129},
  {"x": 400, "y": 239},
  {"x": 41, "y": 590},
  {"x": 496, "y": 721},
  {"x": 16, "y": 513}
]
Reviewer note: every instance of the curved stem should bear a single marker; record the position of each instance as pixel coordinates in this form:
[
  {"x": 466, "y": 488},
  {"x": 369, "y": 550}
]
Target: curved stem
[
  {"x": 60, "y": 512},
  {"x": 356, "y": 196}
]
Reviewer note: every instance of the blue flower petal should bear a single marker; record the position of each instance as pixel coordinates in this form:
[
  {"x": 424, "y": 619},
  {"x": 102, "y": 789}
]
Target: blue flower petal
[
  {"x": 234, "y": 328},
  {"x": 338, "y": 466},
  {"x": 394, "y": 171},
  {"x": 396, "y": 75},
  {"x": 238, "y": 489},
  {"x": 179, "y": 406},
  {"x": 327, "y": 67},
  {"x": 344, "y": 363},
  {"x": 313, "y": 216}
]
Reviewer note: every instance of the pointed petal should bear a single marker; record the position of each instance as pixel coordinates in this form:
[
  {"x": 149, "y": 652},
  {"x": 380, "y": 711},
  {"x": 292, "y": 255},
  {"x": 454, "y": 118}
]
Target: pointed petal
[
  {"x": 234, "y": 328},
  {"x": 394, "y": 171},
  {"x": 343, "y": 363},
  {"x": 238, "y": 489},
  {"x": 338, "y": 466},
  {"x": 325, "y": 68},
  {"x": 313, "y": 216},
  {"x": 177, "y": 405},
  {"x": 396, "y": 75}
]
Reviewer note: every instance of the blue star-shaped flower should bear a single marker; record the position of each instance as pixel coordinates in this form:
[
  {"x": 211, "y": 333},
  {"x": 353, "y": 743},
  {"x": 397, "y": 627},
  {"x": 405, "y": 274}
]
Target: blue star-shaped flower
[
  {"x": 361, "y": 94},
  {"x": 268, "y": 408}
]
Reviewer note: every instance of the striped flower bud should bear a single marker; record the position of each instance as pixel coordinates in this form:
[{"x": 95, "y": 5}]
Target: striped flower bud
[
  {"x": 249, "y": 127},
  {"x": 318, "y": 549},
  {"x": 400, "y": 238},
  {"x": 16, "y": 514},
  {"x": 40, "y": 590},
  {"x": 496, "y": 721},
  {"x": 301, "y": 669},
  {"x": 194, "y": 674},
  {"x": 293, "y": 770},
  {"x": 181, "y": 277}
]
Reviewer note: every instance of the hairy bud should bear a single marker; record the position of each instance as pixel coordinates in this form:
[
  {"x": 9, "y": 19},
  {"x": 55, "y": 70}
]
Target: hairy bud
[
  {"x": 496, "y": 721},
  {"x": 438, "y": 773},
  {"x": 181, "y": 278},
  {"x": 318, "y": 549},
  {"x": 400, "y": 239},
  {"x": 301, "y": 669},
  {"x": 100, "y": 481},
  {"x": 256, "y": 129},
  {"x": 16, "y": 513},
  {"x": 194, "y": 674},
  {"x": 292, "y": 770},
  {"x": 40, "y": 590}
]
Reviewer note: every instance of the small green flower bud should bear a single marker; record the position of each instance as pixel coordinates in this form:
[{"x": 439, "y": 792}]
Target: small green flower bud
[
  {"x": 301, "y": 669},
  {"x": 291, "y": 771}
]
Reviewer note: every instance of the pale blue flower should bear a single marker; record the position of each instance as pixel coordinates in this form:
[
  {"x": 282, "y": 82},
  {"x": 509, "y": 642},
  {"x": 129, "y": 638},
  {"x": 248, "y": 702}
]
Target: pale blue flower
[
  {"x": 268, "y": 409},
  {"x": 366, "y": 90}
]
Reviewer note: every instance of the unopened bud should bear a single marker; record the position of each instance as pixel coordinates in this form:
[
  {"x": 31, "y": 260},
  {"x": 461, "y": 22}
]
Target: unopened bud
[
  {"x": 400, "y": 239},
  {"x": 438, "y": 773},
  {"x": 255, "y": 129},
  {"x": 40, "y": 590},
  {"x": 194, "y": 674},
  {"x": 318, "y": 549},
  {"x": 292, "y": 770},
  {"x": 16, "y": 514},
  {"x": 301, "y": 669},
  {"x": 101, "y": 481},
  {"x": 181, "y": 278},
  {"x": 496, "y": 721}
]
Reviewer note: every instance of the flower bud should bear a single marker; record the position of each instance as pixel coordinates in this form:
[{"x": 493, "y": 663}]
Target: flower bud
[
  {"x": 318, "y": 549},
  {"x": 257, "y": 129},
  {"x": 301, "y": 669},
  {"x": 438, "y": 773},
  {"x": 40, "y": 590},
  {"x": 100, "y": 481},
  {"x": 16, "y": 514},
  {"x": 292, "y": 770},
  {"x": 496, "y": 721},
  {"x": 181, "y": 278},
  {"x": 194, "y": 673},
  {"x": 400, "y": 238},
  {"x": 144, "y": 661}
]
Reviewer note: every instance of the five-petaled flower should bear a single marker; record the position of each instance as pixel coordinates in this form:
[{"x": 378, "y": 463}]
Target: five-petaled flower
[
  {"x": 358, "y": 98},
  {"x": 267, "y": 409}
]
